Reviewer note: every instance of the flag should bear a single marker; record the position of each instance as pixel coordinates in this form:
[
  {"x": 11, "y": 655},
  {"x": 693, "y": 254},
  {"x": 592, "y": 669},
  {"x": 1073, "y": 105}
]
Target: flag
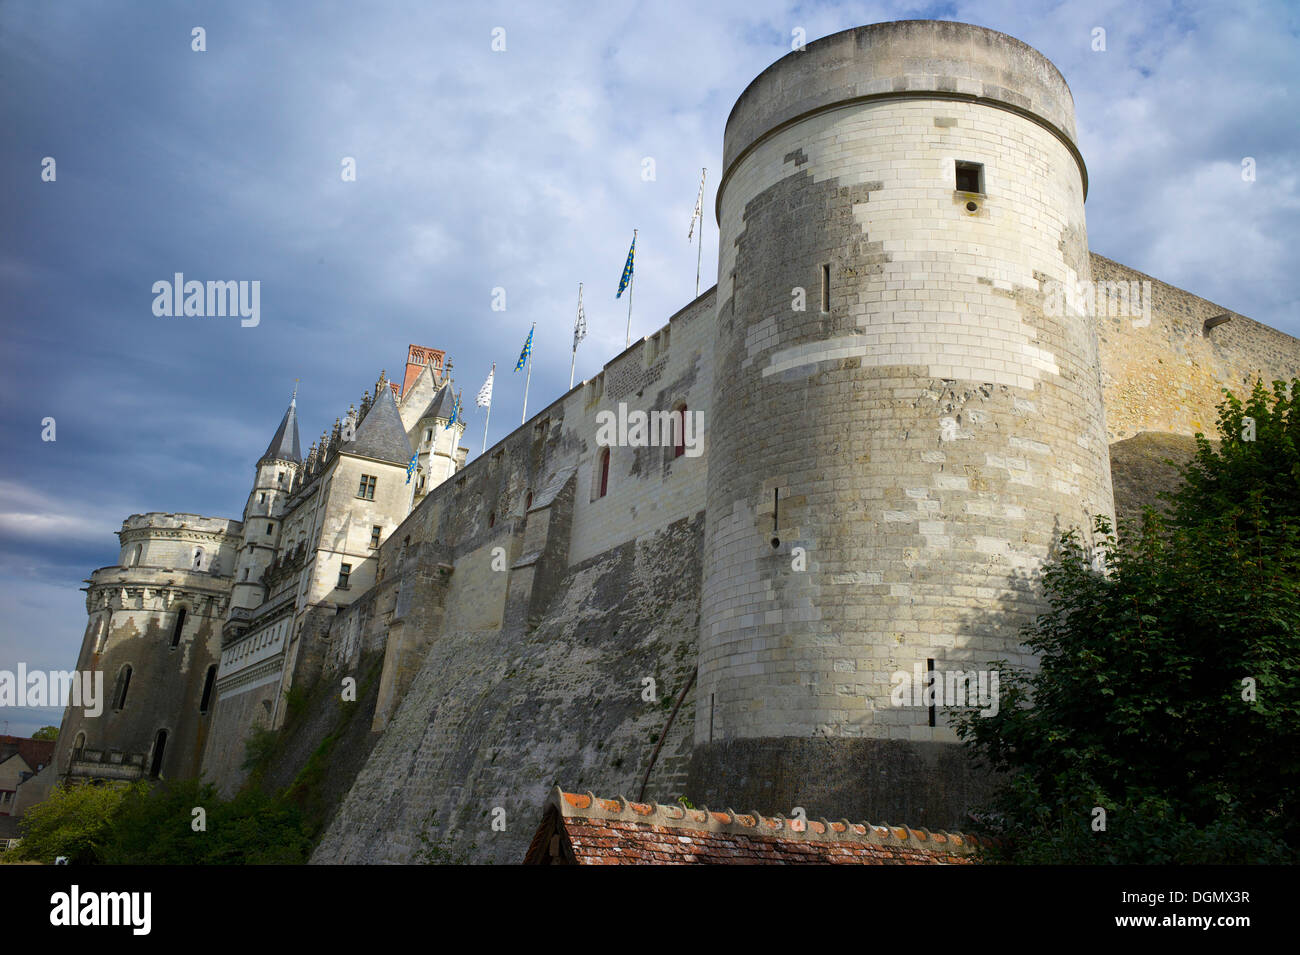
[
  {"x": 627, "y": 269},
  {"x": 455, "y": 414},
  {"x": 484, "y": 399},
  {"x": 410, "y": 468},
  {"x": 528, "y": 350},
  {"x": 699, "y": 207},
  {"x": 580, "y": 324}
]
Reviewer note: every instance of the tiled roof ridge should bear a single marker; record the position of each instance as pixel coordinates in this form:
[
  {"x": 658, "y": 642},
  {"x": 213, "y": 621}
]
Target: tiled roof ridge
[{"x": 590, "y": 806}]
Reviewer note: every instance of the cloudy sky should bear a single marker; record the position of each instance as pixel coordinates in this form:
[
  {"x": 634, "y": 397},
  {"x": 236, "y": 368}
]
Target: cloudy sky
[{"x": 475, "y": 169}]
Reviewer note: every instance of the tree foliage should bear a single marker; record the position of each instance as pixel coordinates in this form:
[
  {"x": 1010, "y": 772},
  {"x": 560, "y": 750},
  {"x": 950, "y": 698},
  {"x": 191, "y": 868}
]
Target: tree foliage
[
  {"x": 73, "y": 821},
  {"x": 157, "y": 825},
  {"x": 162, "y": 827},
  {"x": 1168, "y": 689}
]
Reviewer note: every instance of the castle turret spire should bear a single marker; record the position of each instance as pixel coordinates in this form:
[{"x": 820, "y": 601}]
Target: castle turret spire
[{"x": 284, "y": 446}]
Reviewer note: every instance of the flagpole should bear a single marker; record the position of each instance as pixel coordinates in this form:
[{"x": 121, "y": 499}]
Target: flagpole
[
  {"x": 455, "y": 441},
  {"x": 529, "y": 380},
  {"x": 631, "y": 281},
  {"x": 489, "y": 412},
  {"x": 699, "y": 256},
  {"x": 574, "y": 360}
]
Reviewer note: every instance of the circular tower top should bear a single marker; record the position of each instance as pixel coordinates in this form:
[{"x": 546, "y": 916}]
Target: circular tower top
[{"x": 934, "y": 59}]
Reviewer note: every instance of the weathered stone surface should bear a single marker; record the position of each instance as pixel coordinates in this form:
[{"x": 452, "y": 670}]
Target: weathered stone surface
[
  {"x": 877, "y": 780},
  {"x": 494, "y": 719}
]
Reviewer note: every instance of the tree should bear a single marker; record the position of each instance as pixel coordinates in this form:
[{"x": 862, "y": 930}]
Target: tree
[
  {"x": 72, "y": 821},
  {"x": 160, "y": 826},
  {"x": 46, "y": 732},
  {"x": 1168, "y": 690}
]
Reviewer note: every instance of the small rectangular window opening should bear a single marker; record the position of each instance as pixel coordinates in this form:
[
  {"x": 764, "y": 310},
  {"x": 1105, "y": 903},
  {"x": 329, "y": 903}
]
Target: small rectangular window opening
[
  {"x": 970, "y": 177},
  {"x": 826, "y": 288},
  {"x": 929, "y": 669}
]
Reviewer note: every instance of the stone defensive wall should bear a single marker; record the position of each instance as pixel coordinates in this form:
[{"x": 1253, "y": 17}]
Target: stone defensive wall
[
  {"x": 522, "y": 614},
  {"x": 1164, "y": 365},
  {"x": 882, "y": 474}
]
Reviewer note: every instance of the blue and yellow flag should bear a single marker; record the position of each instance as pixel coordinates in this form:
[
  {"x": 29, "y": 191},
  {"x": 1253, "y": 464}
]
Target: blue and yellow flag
[
  {"x": 455, "y": 413},
  {"x": 528, "y": 350},
  {"x": 410, "y": 468},
  {"x": 627, "y": 269}
]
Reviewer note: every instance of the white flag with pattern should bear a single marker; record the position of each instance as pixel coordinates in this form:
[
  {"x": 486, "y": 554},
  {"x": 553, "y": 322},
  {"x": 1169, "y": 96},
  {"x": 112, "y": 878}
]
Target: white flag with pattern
[
  {"x": 699, "y": 208},
  {"x": 580, "y": 323}
]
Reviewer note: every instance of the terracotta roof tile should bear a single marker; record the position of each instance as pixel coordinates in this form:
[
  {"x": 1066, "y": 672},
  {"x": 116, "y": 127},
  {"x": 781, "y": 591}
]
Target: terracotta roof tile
[{"x": 588, "y": 830}]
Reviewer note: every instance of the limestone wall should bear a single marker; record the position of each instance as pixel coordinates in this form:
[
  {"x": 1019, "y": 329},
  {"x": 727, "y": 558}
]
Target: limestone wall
[
  {"x": 1163, "y": 371},
  {"x": 494, "y": 719},
  {"x": 171, "y": 540},
  {"x": 919, "y": 430}
]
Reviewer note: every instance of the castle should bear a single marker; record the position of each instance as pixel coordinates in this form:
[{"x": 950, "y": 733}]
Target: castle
[
  {"x": 912, "y": 373},
  {"x": 201, "y": 611}
]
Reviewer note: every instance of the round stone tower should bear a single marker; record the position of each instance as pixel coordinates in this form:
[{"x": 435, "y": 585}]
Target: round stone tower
[
  {"x": 153, "y": 641},
  {"x": 902, "y": 419}
]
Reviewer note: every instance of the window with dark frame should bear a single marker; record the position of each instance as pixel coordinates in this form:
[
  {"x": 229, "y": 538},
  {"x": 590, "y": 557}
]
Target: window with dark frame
[
  {"x": 367, "y": 489},
  {"x": 159, "y": 747},
  {"x": 970, "y": 177},
  {"x": 207, "y": 688},
  {"x": 345, "y": 570},
  {"x": 123, "y": 684},
  {"x": 604, "y": 473},
  {"x": 374, "y": 535}
]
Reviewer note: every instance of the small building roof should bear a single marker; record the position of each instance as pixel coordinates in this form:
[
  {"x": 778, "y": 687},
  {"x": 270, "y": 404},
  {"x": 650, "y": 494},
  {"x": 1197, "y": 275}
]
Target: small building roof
[
  {"x": 35, "y": 752},
  {"x": 588, "y": 830}
]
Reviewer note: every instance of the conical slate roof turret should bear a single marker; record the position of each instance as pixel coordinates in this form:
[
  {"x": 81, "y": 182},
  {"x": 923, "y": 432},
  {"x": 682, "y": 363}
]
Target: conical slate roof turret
[
  {"x": 381, "y": 435},
  {"x": 441, "y": 404},
  {"x": 284, "y": 446}
]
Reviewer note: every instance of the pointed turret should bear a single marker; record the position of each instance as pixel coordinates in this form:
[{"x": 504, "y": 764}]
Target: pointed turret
[
  {"x": 284, "y": 446},
  {"x": 276, "y": 473},
  {"x": 441, "y": 404}
]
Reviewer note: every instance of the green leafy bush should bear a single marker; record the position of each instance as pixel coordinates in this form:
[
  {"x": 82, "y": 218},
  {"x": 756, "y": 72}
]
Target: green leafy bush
[{"x": 1168, "y": 691}]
